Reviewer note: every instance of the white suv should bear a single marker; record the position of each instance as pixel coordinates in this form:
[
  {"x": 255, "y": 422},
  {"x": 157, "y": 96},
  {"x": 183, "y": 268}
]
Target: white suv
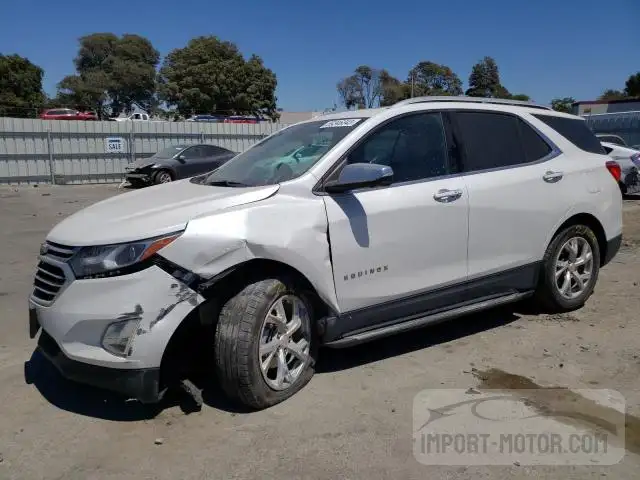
[{"x": 403, "y": 216}]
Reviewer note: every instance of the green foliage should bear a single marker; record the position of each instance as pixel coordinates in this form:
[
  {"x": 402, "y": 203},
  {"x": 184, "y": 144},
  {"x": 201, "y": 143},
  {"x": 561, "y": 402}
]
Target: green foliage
[
  {"x": 521, "y": 96},
  {"x": 434, "y": 79},
  {"x": 113, "y": 73},
  {"x": 393, "y": 90},
  {"x": 21, "y": 92},
  {"x": 611, "y": 94},
  {"x": 364, "y": 88},
  {"x": 484, "y": 80},
  {"x": 563, "y": 104},
  {"x": 210, "y": 75},
  {"x": 632, "y": 86}
]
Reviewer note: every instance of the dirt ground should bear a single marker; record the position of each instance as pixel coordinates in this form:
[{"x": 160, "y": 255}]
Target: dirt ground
[{"x": 354, "y": 420}]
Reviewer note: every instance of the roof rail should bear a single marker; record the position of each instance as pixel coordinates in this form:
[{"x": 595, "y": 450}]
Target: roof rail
[{"x": 495, "y": 101}]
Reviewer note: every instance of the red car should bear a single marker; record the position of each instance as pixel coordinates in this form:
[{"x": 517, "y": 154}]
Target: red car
[{"x": 67, "y": 114}]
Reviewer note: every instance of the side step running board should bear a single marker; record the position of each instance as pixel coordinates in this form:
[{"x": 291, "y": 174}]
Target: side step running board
[{"x": 357, "y": 338}]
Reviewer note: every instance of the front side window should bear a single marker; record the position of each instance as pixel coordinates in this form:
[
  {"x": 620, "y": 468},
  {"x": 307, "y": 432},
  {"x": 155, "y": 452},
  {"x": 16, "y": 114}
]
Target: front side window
[
  {"x": 168, "y": 152},
  {"x": 194, "y": 152},
  {"x": 285, "y": 155},
  {"x": 414, "y": 147},
  {"x": 490, "y": 140}
]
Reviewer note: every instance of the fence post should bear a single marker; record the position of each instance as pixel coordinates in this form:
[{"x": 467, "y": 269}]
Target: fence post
[
  {"x": 201, "y": 137},
  {"x": 52, "y": 167},
  {"x": 132, "y": 145}
]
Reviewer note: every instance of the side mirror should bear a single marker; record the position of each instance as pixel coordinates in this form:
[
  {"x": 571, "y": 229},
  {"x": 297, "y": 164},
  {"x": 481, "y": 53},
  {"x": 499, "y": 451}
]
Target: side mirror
[
  {"x": 182, "y": 157},
  {"x": 360, "y": 175}
]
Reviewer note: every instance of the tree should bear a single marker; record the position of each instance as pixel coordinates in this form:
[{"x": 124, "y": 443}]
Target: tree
[
  {"x": 393, "y": 90},
  {"x": 632, "y": 86},
  {"x": 484, "y": 80},
  {"x": 364, "y": 88},
  {"x": 612, "y": 95},
  {"x": 563, "y": 104},
  {"x": 21, "y": 92},
  {"x": 521, "y": 96},
  {"x": 113, "y": 73},
  {"x": 430, "y": 78},
  {"x": 209, "y": 75}
]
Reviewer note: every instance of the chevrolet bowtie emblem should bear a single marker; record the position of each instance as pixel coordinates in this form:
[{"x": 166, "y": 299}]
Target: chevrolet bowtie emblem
[{"x": 44, "y": 249}]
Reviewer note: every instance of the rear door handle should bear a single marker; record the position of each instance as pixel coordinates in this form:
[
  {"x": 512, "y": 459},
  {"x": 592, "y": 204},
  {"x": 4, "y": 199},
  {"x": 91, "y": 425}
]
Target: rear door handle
[
  {"x": 447, "y": 196},
  {"x": 552, "y": 177}
]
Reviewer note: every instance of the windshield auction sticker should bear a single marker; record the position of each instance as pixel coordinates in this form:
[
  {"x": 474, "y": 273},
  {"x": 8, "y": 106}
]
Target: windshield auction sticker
[
  {"x": 347, "y": 122},
  {"x": 543, "y": 426}
]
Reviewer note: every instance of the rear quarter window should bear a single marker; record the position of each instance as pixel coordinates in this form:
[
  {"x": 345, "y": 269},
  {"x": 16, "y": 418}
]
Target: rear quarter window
[{"x": 574, "y": 130}]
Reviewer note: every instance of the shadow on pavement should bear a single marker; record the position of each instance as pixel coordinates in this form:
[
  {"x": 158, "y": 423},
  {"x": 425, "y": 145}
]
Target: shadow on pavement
[
  {"x": 97, "y": 403},
  {"x": 332, "y": 360},
  {"x": 82, "y": 399}
]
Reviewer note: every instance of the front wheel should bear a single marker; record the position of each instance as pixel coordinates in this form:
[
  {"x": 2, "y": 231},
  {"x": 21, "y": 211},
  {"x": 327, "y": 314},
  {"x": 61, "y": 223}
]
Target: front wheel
[
  {"x": 162, "y": 176},
  {"x": 569, "y": 270},
  {"x": 265, "y": 350}
]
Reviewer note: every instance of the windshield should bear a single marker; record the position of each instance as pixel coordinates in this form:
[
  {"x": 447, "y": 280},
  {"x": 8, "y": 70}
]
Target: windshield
[
  {"x": 168, "y": 152},
  {"x": 284, "y": 155}
]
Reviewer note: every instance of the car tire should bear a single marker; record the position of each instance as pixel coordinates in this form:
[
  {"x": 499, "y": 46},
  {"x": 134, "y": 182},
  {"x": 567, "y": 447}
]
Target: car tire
[
  {"x": 249, "y": 334},
  {"x": 162, "y": 176},
  {"x": 573, "y": 256}
]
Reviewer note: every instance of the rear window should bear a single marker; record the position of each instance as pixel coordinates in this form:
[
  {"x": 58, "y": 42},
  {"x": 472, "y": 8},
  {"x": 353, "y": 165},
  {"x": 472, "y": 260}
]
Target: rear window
[{"x": 574, "y": 130}]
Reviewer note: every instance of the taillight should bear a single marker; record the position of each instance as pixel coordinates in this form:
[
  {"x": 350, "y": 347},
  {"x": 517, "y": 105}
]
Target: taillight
[
  {"x": 614, "y": 169},
  {"x": 635, "y": 158}
]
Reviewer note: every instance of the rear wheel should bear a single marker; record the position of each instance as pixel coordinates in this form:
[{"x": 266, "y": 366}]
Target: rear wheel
[
  {"x": 570, "y": 269},
  {"x": 265, "y": 349},
  {"x": 162, "y": 176}
]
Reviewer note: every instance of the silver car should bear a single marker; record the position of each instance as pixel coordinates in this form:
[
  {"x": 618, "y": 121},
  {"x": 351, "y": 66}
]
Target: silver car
[{"x": 629, "y": 160}]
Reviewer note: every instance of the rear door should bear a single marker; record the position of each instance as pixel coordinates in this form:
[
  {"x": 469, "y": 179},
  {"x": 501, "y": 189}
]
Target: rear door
[{"x": 519, "y": 186}]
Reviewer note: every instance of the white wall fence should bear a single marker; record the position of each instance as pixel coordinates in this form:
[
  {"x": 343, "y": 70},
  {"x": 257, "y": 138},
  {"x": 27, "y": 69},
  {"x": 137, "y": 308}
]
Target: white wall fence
[{"x": 68, "y": 152}]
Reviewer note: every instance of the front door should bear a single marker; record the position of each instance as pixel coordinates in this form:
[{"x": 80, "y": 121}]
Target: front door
[{"x": 407, "y": 239}]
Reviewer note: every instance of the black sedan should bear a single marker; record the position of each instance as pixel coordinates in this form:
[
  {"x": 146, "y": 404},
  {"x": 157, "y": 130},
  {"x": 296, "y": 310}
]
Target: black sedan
[{"x": 176, "y": 162}]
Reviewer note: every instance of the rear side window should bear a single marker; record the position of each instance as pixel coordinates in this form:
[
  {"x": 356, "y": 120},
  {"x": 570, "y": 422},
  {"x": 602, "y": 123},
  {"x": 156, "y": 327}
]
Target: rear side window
[
  {"x": 574, "y": 130},
  {"x": 535, "y": 148},
  {"x": 491, "y": 140},
  {"x": 608, "y": 149}
]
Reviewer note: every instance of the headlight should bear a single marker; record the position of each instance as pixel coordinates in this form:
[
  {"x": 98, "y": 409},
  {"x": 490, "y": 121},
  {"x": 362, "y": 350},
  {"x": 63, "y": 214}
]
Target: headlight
[
  {"x": 117, "y": 337},
  {"x": 110, "y": 260}
]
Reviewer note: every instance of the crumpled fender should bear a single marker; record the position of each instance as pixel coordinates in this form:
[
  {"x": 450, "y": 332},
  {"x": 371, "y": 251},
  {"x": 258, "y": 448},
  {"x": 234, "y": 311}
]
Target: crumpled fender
[{"x": 287, "y": 229}]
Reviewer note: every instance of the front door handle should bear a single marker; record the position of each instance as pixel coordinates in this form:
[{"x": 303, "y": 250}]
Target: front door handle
[
  {"x": 552, "y": 177},
  {"x": 446, "y": 196}
]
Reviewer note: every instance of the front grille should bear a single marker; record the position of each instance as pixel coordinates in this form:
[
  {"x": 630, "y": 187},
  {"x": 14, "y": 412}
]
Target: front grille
[
  {"x": 61, "y": 252},
  {"x": 48, "y": 282},
  {"x": 50, "y": 275}
]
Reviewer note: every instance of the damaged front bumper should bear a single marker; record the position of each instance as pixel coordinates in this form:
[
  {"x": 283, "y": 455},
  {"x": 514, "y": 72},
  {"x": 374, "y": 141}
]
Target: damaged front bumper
[{"x": 74, "y": 326}]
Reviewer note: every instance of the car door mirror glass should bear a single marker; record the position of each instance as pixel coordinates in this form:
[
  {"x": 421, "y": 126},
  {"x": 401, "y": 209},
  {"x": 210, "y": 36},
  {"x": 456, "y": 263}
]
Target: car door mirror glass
[{"x": 360, "y": 175}]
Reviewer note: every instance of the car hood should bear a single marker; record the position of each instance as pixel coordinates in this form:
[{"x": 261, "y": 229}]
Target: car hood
[
  {"x": 150, "y": 212},
  {"x": 144, "y": 162}
]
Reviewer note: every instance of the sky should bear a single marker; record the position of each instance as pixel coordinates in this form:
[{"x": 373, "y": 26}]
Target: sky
[{"x": 544, "y": 48}]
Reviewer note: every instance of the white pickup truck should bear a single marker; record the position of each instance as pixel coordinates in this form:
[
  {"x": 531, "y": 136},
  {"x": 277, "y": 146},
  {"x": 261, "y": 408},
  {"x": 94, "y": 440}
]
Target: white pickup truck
[{"x": 134, "y": 117}]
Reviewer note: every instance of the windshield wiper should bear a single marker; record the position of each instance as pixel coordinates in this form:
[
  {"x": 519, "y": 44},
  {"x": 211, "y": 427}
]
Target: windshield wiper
[{"x": 227, "y": 183}]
